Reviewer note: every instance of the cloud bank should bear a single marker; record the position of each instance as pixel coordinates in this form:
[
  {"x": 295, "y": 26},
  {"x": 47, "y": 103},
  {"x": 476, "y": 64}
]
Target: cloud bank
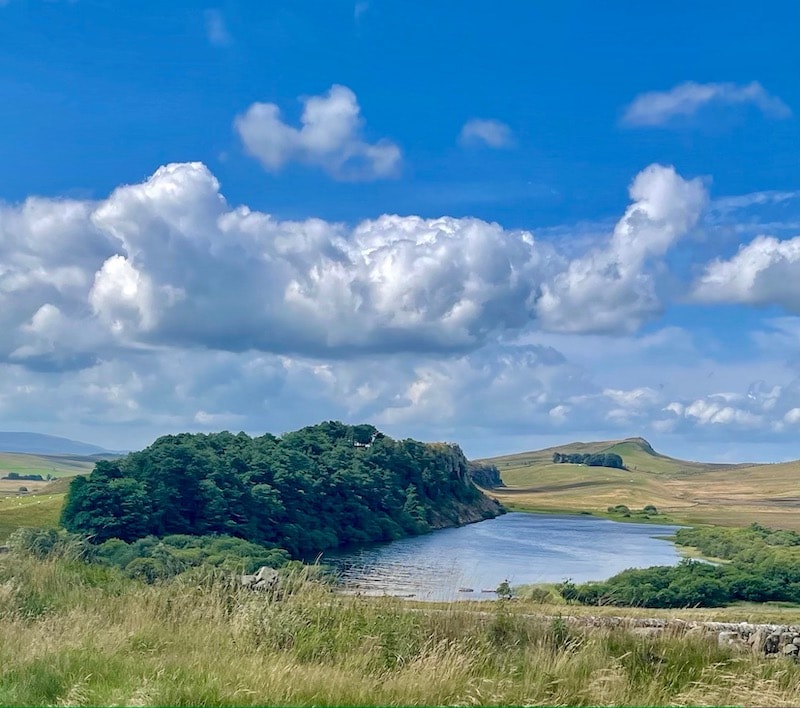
[
  {"x": 167, "y": 262},
  {"x": 163, "y": 308}
]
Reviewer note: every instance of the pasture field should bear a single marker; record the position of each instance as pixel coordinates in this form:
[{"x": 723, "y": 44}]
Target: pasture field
[
  {"x": 686, "y": 492},
  {"x": 41, "y": 505},
  {"x": 54, "y": 465},
  {"x": 29, "y": 510}
]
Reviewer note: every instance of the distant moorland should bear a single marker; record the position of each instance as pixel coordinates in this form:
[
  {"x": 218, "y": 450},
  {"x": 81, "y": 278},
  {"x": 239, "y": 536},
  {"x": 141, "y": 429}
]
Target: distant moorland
[{"x": 688, "y": 492}]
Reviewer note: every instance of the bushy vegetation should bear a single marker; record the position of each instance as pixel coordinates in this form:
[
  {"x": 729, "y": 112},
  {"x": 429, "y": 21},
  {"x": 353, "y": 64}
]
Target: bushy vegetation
[
  {"x": 314, "y": 489},
  {"x": 599, "y": 459},
  {"x": 153, "y": 558},
  {"x": 150, "y": 559},
  {"x": 762, "y": 565},
  {"x": 85, "y": 634},
  {"x": 646, "y": 512}
]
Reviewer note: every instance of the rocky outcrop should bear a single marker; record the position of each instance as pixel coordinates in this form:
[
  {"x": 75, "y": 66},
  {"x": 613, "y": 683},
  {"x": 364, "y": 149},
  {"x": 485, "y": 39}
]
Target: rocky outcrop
[
  {"x": 459, "y": 513},
  {"x": 485, "y": 475},
  {"x": 265, "y": 579}
]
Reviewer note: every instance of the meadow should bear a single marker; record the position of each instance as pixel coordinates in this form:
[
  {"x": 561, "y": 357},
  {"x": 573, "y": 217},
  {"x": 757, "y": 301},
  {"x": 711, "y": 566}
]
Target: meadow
[
  {"x": 39, "y": 510},
  {"x": 81, "y": 634}
]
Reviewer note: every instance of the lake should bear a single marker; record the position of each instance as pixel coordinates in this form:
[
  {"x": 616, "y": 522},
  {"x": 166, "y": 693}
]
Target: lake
[{"x": 521, "y": 547}]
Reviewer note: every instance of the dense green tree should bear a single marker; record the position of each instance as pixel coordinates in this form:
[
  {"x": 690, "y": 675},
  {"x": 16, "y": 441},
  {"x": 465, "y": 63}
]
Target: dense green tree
[{"x": 316, "y": 488}]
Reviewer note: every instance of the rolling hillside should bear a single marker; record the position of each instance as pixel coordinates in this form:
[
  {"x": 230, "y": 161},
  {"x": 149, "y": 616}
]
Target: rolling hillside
[{"x": 690, "y": 492}]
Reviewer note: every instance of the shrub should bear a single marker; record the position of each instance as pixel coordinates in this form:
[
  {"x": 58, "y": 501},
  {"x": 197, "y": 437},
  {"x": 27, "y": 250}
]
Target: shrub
[{"x": 44, "y": 543}]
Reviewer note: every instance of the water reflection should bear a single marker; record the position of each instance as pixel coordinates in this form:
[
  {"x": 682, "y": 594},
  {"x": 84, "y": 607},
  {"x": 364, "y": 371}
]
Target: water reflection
[{"x": 463, "y": 563}]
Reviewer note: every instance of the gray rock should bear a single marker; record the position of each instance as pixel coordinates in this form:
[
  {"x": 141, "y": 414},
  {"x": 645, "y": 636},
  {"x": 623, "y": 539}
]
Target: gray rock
[
  {"x": 796, "y": 641},
  {"x": 729, "y": 639},
  {"x": 264, "y": 579},
  {"x": 758, "y": 641},
  {"x": 650, "y": 632},
  {"x": 791, "y": 650},
  {"x": 773, "y": 643}
]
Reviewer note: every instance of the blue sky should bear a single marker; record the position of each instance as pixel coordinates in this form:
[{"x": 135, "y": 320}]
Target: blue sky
[{"x": 503, "y": 224}]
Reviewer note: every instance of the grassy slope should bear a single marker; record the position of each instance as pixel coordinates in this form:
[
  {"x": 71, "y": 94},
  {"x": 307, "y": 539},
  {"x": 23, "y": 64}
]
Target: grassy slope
[
  {"x": 31, "y": 510},
  {"x": 690, "y": 492}
]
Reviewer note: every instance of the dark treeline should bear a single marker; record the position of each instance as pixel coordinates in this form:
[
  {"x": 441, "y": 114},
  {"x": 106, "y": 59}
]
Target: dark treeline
[
  {"x": 763, "y": 565},
  {"x": 25, "y": 477},
  {"x": 599, "y": 459},
  {"x": 318, "y": 488}
]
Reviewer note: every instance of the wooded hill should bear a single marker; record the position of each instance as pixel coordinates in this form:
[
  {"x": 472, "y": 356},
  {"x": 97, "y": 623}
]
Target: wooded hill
[{"x": 317, "y": 488}]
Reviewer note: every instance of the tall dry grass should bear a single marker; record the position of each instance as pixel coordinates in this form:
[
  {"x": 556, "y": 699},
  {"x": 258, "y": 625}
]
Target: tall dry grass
[{"x": 77, "y": 634}]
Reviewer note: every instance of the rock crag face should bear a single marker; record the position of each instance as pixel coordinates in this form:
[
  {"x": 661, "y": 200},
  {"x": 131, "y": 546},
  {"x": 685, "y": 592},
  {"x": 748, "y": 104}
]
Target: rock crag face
[{"x": 485, "y": 475}]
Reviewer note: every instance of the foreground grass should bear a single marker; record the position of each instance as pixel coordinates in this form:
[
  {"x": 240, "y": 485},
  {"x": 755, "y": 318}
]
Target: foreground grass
[{"x": 75, "y": 634}]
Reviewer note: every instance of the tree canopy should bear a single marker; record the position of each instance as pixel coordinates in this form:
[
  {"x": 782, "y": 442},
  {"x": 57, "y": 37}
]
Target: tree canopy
[
  {"x": 317, "y": 488},
  {"x": 599, "y": 459}
]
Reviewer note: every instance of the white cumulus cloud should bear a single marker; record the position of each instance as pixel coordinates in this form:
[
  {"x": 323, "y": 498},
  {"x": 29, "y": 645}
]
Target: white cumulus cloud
[
  {"x": 610, "y": 289},
  {"x": 330, "y": 137},
  {"x": 167, "y": 262},
  {"x": 659, "y": 108},
  {"x": 766, "y": 271}
]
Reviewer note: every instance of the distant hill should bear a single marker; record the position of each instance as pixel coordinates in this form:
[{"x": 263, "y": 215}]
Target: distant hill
[
  {"x": 635, "y": 452},
  {"x": 688, "y": 492},
  {"x": 38, "y": 444}
]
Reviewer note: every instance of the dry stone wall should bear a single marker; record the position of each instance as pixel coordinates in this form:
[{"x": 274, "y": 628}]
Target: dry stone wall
[{"x": 771, "y": 640}]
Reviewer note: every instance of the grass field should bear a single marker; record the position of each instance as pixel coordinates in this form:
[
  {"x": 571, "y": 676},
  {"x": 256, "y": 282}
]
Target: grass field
[
  {"x": 54, "y": 465},
  {"x": 76, "y": 634},
  {"x": 30, "y": 510},
  {"x": 688, "y": 492},
  {"x": 41, "y": 506}
]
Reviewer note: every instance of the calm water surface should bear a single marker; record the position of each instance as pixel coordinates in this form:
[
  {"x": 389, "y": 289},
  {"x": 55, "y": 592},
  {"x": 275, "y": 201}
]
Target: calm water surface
[{"x": 522, "y": 547}]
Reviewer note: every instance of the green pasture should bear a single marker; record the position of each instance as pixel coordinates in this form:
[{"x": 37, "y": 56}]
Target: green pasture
[
  {"x": 54, "y": 465},
  {"x": 31, "y": 510}
]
